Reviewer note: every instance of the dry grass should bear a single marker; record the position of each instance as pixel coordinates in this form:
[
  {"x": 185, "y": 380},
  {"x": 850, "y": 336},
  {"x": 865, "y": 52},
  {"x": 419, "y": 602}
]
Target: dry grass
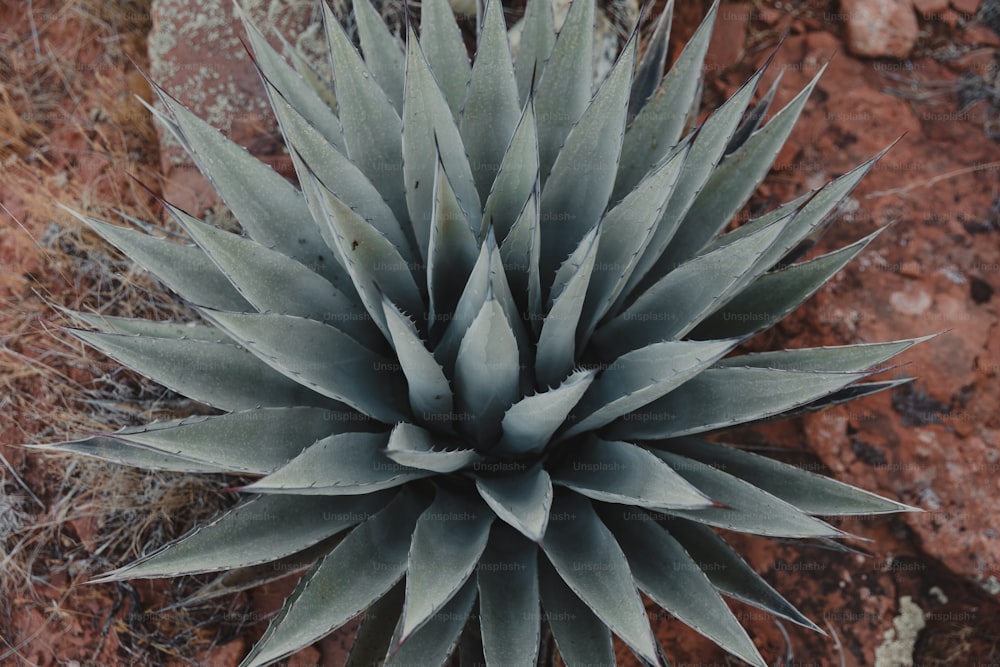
[{"x": 71, "y": 132}]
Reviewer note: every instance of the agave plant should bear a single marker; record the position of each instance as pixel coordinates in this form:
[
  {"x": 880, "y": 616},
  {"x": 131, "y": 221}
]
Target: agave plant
[{"x": 470, "y": 358}]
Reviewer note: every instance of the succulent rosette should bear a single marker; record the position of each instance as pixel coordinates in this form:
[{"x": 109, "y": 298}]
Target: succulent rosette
[{"x": 471, "y": 355}]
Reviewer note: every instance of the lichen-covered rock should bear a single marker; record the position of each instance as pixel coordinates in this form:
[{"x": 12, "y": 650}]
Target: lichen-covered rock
[
  {"x": 196, "y": 53},
  {"x": 880, "y": 28}
]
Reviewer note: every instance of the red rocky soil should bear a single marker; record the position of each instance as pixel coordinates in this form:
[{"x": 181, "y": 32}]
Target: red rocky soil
[{"x": 932, "y": 79}]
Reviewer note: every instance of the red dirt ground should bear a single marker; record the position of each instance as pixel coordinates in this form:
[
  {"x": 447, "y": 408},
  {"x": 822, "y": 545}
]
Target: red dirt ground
[{"x": 935, "y": 269}]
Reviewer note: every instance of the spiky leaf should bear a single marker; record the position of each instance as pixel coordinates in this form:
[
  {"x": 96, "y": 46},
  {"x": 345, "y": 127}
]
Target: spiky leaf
[{"x": 334, "y": 591}]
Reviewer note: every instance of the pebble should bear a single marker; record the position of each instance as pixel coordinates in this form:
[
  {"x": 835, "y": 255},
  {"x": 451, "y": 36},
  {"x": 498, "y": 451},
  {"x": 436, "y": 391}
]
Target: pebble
[{"x": 880, "y": 28}]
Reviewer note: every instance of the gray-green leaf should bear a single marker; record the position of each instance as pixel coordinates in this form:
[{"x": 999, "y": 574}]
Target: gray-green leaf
[
  {"x": 578, "y": 545},
  {"x": 449, "y": 539},
  {"x": 747, "y": 509},
  {"x": 522, "y": 499},
  {"x": 642, "y": 376},
  {"x": 723, "y": 397},
  {"x": 261, "y": 530},
  {"x": 360, "y": 570},
  {"x": 509, "y": 599},
  {"x": 620, "y": 472},
  {"x": 300, "y": 349},
  {"x": 346, "y": 464},
  {"x": 664, "y": 571},
  {"x": 415, "y": 447},
  {"x": 530, "y": 423},
  {"x": 430, "y": 393}
]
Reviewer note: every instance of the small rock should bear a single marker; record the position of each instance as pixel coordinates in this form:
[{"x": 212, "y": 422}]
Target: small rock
[
  {"x": 938, "y": 594},
  {"x": 227, "y": 655},
  {"x": 928, "y": 8},
  {"x": 983, "y": 36},
  {"x": 87, "y": 528},
  {"x": 911, "y": 269},
  {"x": 771, "y": 16},
  {"x": 969, "y": 7},
  {"x": 880, "y": 28},
  {"x": 901, "y": 639},
  {"x": 911, "y": 303},
  {"x": 980, "y": 290},
  {"x": 979, "y": 62}
]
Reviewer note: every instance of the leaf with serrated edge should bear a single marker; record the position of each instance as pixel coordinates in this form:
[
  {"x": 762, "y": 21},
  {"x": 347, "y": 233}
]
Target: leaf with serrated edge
[
  {"x": 435, "y": 641},
  {"x": 628, "y": 228},
  {"x": 430, "y": 393},
  {"x": 519, "y": 257},
  {"x": 449, "y": 539},
  {"x": 538, "y": 36},
  {"x": 811, "y": 211},
  {"x": 270, "y": 209},
  {"x": 428, "y": 123},
  {"x": 452, "y": 250},
  {"x": 274, "y": 282},
  {"x": 530, "y": 423},
  {"x": 415, "y": 447},
  {"x": 522, "y": 499},
  {"x": 255, "y": 441},
  {"x": 300, "y": 349},
  {"x": 564, "y": 86},
  {"x": 729, "y": 573},
  {"x": 620, "y": 472},
  {"x": 307, "y": 70},
  {"x": 136, "y": 326},
  {"x": 182, "y": 268},
  {"x": 578, "y": 545},
  {"x": 658, "y": 126},
  {"x": 581, "y": 637},
  {"x": 245, "y": 578},
  {"x": 289, "y": 524},
  {"x": 360, "y": 570},
  {"x": 642, "y": 376},
  {"x": 339, "y": 175},
  {"x": 371, "y": 123},
  {"x": 702, "y": 160},
  {"x": 517, "y": 178},
  {"x": 219, "y": 374},
  {"x": 487, "y": 372},
  {"x": 373, "y": 262},
  {"x": 754, "y": 116},
  {"x": 723, "y": 397},
  {"x": 681, "y": 589},
  {"x": 469, "y": 304},
  {"x": 772, "y": 296},
  {"x": 829, "y": 359},
  {"x": 738, "y": 175},
  {"x": 444, "y": 48},
  {"x": 747, "y": 509},
  {"x": 491, "y": 108},
  {"x": 576, "y": 192},
  {"x": 383, "y": 52},
  {"x": 556, "y": 351},
  {"x": 807, "y": 491},
  {"x": 649, "y": 71},
  {"x": 346, "y": 464},
  {"x": 292, "y": 86},
  {"x": 508, "y": 599},
  {"x": 851, "y": 393},
  {"x": 374, "y": 637},
  {"x": 678, "y": 302},
  {"x": 123, "y": 453}
]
